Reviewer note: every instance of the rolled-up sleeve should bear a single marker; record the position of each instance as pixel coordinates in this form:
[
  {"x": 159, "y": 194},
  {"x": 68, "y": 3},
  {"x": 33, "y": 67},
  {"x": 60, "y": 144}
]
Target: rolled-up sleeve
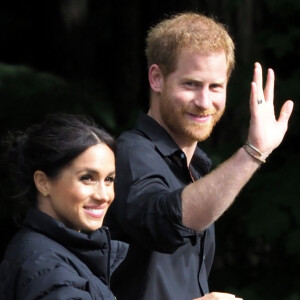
[{"x": 148, "y": 200}]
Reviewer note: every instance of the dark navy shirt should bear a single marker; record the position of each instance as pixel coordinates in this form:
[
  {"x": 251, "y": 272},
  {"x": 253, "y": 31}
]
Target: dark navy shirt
[{"x": 166, "y": 260}]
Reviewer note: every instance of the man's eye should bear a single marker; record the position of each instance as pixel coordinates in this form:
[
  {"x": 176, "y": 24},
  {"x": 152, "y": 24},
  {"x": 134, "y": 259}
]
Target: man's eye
[
  {"x": 216, "y": 86},
  {"x": 190, "y": 83}
]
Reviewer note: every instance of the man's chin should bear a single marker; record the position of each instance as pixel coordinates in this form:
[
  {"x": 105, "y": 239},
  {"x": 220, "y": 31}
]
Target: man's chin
[{"x": 200, "y": 134}]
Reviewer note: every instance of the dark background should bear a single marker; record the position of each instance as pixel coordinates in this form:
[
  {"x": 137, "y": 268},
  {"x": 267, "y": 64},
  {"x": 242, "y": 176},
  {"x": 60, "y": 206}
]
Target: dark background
[{"x": 87, "y": 56}]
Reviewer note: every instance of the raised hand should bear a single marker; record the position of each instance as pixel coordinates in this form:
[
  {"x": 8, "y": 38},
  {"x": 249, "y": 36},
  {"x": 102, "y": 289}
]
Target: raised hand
[{"x": 265, "y": 132}]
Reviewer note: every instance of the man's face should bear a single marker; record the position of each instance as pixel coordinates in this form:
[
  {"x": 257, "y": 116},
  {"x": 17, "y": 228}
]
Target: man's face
[{"x": 193, "y": 96}]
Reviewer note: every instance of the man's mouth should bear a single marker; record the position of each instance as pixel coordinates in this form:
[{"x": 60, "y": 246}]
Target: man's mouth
[{"x": 201, "y": 118}]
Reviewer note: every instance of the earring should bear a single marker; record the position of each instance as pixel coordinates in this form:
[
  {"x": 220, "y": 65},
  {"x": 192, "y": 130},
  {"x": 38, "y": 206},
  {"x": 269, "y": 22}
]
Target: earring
[{"x": 45, "y": 194}]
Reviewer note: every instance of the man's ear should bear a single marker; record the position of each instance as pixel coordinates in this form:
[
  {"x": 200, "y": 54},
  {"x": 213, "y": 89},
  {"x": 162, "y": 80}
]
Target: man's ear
[
  {"x": 155, "y": 77},
  {"x": 41, "y": 182}
]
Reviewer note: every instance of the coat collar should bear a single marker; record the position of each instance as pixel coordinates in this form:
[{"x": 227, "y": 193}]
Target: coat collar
[{"x": 95, "y": 249}]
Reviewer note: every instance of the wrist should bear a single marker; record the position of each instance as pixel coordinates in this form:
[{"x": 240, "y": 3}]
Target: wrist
[{"x": 255, "y": 153}]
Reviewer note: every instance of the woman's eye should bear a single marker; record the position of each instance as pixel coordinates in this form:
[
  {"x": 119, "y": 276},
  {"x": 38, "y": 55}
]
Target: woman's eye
[
  {"x": 110, "y": 179},
  {"x": 86, "y": 177}
]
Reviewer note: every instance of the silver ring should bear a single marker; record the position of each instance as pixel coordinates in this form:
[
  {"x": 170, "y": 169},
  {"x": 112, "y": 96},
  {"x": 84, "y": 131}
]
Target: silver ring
[{"x": 259, "y": 101}]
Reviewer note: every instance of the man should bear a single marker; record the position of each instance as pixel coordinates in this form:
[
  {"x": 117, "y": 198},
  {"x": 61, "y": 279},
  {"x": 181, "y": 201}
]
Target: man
[{"x": 166, "y": 199}]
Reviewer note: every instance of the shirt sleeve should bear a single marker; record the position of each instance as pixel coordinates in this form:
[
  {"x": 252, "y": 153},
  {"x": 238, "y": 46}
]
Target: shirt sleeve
[{"x": 146, "y": 207}]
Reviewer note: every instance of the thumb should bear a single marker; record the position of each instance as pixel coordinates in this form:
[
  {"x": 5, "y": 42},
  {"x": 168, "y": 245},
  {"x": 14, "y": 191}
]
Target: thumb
[{"x": 286, "y": 111}]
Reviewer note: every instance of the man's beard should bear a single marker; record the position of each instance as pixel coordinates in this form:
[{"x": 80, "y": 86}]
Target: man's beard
[{"x": 180, "y": 125}]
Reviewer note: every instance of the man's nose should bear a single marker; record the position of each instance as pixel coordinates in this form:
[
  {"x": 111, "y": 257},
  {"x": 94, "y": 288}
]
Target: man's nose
[{"x": 202, "y": 98}]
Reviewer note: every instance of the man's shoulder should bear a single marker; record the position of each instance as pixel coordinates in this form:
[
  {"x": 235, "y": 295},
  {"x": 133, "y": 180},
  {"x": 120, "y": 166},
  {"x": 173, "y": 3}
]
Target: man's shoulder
[{"x": 134, "y": 138}]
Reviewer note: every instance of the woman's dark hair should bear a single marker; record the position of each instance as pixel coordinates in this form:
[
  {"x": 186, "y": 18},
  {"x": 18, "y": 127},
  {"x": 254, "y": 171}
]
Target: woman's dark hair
[{"x": 49, "y": 146}]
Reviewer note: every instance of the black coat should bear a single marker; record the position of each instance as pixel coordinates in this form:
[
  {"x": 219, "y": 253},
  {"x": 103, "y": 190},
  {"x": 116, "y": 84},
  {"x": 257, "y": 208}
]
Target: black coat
[{"x": 46, "y": 260}]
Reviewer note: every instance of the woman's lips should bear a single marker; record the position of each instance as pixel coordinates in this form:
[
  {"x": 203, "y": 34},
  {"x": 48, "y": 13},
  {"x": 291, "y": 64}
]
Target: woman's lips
[{"x": 95, "y": 212}]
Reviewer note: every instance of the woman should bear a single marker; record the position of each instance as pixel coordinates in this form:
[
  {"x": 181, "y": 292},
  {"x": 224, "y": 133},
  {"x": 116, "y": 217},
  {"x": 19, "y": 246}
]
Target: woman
[{"x": 63, "y": 170}]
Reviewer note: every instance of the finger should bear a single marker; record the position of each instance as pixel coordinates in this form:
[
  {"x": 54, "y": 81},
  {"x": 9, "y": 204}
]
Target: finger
[
  {"x": 286, "y": 112},
  {"x": 269, "y": 89},
  {"x": 258, "y": 79},
  {"x": 254, "y": 101}
]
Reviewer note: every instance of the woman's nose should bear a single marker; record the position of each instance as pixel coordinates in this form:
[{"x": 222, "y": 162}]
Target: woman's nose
[{"x": 101, "y": 192}]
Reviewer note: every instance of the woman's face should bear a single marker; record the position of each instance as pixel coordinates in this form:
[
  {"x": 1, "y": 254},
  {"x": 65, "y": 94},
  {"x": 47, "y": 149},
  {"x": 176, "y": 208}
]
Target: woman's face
[{"x": 81, "y": 194}]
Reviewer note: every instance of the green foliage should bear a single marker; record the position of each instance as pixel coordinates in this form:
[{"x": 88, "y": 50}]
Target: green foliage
[{"x": 26, "y": 95}]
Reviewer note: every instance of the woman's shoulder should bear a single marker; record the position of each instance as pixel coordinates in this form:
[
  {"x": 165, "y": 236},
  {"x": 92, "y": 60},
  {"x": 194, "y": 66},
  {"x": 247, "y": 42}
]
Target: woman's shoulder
[
  {"x": 34, "y": 263},
  {"x": 27, "y": 242},
  {"x": 31, "y": 251}
]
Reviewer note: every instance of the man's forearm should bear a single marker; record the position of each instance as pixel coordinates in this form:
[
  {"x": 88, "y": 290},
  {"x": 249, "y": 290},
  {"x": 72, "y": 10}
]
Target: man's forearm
[{"x": 205, "y": 200}]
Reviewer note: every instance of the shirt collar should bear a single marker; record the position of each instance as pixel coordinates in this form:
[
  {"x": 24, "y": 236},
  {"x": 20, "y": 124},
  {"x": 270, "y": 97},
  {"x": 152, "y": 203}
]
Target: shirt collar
[
  {"x": 164, "y": 142},
  {"x": 157, "y": 134}
]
